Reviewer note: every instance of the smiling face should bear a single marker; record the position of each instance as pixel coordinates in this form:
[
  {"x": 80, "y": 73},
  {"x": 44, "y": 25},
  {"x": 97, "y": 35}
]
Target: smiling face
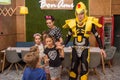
[
  {"x": 49, "y": 41},
  {"x": 37, "y": 40},
  {"x": 50, "y": 23}
]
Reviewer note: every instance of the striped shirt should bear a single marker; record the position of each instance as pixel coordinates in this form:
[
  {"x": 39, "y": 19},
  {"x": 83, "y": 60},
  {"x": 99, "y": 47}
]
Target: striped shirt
[{"x": 56, "y": 33}]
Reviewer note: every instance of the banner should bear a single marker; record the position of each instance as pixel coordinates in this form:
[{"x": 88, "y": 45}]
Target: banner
[{"x": 56, "y": 4}]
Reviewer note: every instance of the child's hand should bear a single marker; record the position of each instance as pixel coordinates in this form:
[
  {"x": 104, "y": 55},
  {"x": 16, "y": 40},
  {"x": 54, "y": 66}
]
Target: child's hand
[{"x": 46, "y": 61}]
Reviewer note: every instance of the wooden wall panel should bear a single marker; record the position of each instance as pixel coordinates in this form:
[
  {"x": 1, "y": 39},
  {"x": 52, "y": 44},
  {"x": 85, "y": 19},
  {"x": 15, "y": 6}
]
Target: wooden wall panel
[
  {"x": 8, "y": 36},
  {"x": 100, "y": 7},
  {"x": 7, "y": 40},
  {"x": 115, "y": 2},
  {"x": 8, "y": 24},
  {"x": 20, "y": 23},
  {"x": 8, "y": 29},
  {"x": 115, "y": 9},
  {"x": 21, "y": 37},
  {"x": 21, "y": 29}
]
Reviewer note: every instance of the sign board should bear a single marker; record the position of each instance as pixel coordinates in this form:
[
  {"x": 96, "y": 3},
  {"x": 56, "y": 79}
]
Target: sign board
[{"x": 56, "y": 4}]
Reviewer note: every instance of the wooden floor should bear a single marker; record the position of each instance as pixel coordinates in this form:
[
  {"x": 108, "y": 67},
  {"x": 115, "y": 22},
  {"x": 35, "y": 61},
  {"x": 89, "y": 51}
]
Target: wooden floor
[{"x": 110, "y": 74}]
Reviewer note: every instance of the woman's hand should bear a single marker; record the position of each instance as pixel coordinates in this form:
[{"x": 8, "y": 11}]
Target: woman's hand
[{"x": 59, "y": 45}]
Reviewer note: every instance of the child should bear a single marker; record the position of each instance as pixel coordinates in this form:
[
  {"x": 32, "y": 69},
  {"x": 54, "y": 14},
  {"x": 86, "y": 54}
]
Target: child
[
  {"x": 33, "y": 70},
  {"x": 53, "y": 54},
  {"x": 38, "y": 42},
  {"x": 44, "y": 34},
  {"x": 46, "y": 67}
]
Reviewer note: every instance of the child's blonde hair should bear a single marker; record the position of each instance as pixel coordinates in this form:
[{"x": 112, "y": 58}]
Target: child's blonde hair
[
  {"x": 31, "y": 59},
  {"x": 34, "y": 49},
  {"x": 37, "y": 34}
]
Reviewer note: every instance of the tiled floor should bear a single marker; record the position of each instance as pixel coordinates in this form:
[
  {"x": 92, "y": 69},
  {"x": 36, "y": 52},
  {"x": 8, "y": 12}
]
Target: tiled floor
[{"x": 110, "y": 74}]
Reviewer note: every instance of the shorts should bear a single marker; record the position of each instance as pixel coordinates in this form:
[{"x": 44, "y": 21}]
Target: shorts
[{"x": 55, "y": 72}]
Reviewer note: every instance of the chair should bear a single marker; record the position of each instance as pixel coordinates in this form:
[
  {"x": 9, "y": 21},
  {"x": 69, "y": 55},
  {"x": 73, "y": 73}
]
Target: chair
[
  {"x": 23, "y": 53},
  {"x": 95, "y": 59},
  {"x": 13, "y": 58},
  {"x": 110, "y": 54}
]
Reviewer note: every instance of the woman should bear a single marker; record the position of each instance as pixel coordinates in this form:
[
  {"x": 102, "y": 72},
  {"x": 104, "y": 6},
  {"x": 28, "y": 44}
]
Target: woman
[{"x": 53, "y": 30}]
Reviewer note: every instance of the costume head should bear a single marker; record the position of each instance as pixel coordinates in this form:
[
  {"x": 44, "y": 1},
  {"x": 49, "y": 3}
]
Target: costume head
[{"x": 81, "y": 9}]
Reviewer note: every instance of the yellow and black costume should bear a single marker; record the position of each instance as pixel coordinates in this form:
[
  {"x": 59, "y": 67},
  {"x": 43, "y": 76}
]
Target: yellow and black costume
[{"x": 81, "y": 33}]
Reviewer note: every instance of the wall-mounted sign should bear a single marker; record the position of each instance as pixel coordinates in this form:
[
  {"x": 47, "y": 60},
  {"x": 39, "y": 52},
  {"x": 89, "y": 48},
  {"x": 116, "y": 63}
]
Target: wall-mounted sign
[{"x": 56, "y": 4}]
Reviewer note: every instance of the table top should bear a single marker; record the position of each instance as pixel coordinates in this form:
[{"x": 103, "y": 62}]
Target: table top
[
  {"x": 66, "y": 49},
  {"x": 92, "y": 49},
  {"x": 18, "y": 49}
]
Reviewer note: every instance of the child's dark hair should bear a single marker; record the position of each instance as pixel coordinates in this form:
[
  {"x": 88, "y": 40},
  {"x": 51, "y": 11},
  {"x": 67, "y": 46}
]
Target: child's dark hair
[
  {"x": 49, "y": 17},
  {"x": 45, "y": 32},
  {"x": 49, "y": 36}
]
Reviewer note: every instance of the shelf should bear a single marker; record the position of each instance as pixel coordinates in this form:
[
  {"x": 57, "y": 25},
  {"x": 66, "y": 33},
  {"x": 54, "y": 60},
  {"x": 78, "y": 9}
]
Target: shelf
[{"x": 107, "y": 33}]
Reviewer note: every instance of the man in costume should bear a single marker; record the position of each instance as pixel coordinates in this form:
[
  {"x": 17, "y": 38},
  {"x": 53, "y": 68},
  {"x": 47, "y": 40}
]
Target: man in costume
[{"x": 80, "y": 29}]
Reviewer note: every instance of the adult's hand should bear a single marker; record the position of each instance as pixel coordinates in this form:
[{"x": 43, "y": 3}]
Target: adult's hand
[{"x": 103, "y": 53}]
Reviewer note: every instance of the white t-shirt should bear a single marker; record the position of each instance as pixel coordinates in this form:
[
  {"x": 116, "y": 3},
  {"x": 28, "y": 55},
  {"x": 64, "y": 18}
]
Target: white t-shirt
[{"x": 41, "y": 50}]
